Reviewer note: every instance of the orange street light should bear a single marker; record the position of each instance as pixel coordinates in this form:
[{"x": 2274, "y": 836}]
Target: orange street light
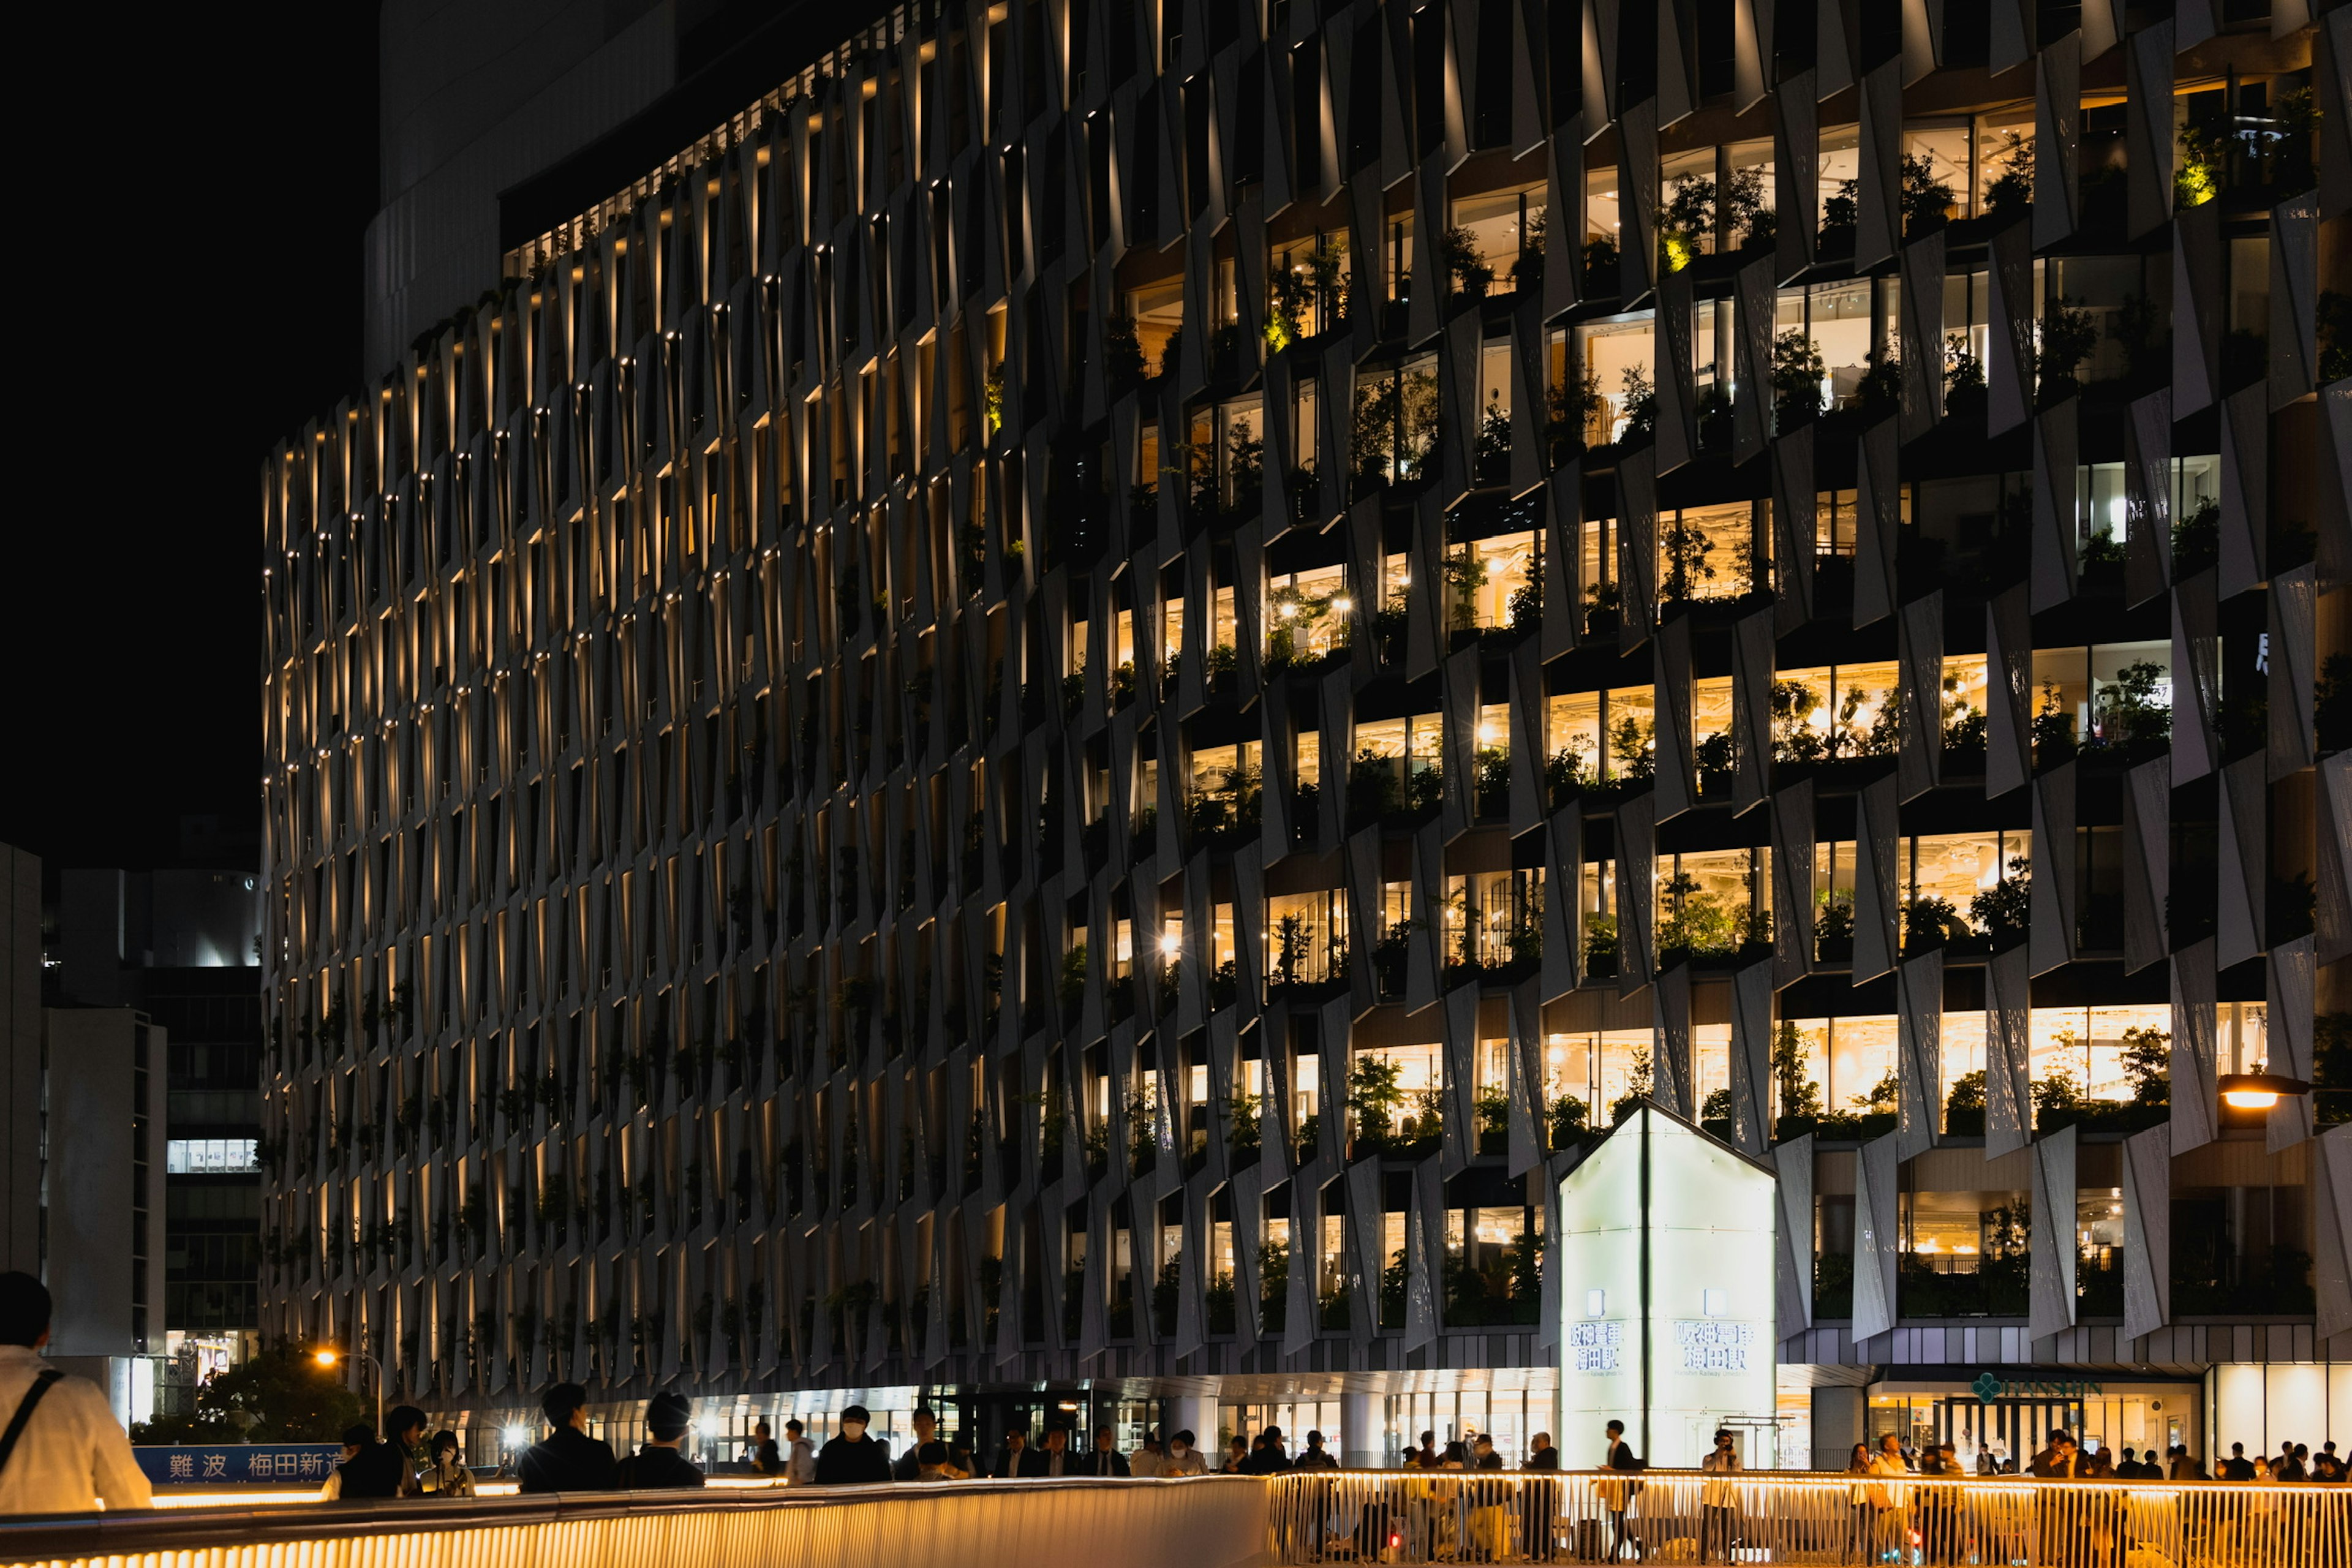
[{"x": 328, "y": 1356}]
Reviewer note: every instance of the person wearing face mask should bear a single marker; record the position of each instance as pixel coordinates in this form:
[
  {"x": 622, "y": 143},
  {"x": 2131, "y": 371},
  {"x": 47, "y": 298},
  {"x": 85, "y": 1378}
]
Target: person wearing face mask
[
  {"x": 853, "y": 1459},
  {"x": 1184, "y": 1458}
]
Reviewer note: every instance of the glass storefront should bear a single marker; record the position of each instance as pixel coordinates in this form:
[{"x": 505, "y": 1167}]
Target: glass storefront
[{"x": 2006, "y": 1415}]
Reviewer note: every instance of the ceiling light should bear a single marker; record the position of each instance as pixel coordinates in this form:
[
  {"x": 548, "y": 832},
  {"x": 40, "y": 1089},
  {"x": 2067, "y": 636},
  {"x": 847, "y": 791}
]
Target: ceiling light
[{"x": 2258, "y": 1090}]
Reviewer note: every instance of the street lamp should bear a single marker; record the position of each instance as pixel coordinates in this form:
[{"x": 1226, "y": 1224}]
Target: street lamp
[{"x": 328, "y": 1356}]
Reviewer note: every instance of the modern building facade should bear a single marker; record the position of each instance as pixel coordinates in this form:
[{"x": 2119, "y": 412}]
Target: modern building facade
[{"x": 1050, "y": 716}]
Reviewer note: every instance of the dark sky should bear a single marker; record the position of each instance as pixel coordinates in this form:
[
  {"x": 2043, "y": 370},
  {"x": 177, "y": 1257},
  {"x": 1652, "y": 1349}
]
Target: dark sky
[{"x": 200, "y": 223}]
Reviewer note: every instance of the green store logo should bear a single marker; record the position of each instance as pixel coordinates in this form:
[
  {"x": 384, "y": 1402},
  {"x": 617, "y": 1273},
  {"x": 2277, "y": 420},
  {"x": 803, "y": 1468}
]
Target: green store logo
[{"x": 1987, "y": 1388}]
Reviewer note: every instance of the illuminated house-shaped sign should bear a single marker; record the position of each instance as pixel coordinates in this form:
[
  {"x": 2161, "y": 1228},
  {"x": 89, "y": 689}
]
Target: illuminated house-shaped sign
[{"x": 1667, "y": 1253}]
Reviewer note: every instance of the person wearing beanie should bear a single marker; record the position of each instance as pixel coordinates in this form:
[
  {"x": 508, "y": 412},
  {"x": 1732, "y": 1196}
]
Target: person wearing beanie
[
  {"x": 657, "y": 1463},
  {"x": 853, "y": 1457}
]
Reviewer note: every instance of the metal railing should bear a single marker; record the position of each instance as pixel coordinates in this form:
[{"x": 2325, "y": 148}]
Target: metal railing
[
  {"x": 1666, "y": 1517},
  {"x": 1211, "y": 1522}
]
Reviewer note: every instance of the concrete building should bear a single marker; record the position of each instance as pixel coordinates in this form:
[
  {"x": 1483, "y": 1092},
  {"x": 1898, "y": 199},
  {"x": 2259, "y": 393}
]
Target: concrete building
[
  {"x": 1049, "y": 712},
  {"x": 181, "y": 945},
  {"x": 86, "y": 1167}
]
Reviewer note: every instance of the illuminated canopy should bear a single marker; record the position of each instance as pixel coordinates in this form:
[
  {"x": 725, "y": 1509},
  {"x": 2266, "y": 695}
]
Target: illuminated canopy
[{"x": 1666, "y": 1256}]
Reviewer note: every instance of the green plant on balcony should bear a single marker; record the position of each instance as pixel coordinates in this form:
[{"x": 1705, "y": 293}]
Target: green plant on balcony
[
  {"x": 1493, "y": 1108},
  {"x": 2053, "y": 729},
  {"x": 1244, "y": 1125},
  {"x": 1964, "y": 1105},
  {"x": 1796, "y": 376},
  {"x": 1565, "y": 777},
  {"x": 1600, "y": 945},
  {"x": 1567, "y": 1117},
  {"x": 2013, "y": 188},
  {"x": 1927, "y": 199},
  {"x": 1374, "y": 1098},
  {"x": 1631, "y": 743},
  {"x": 1458, "y": 257},
  {"x": 1638, "y": 1086}
]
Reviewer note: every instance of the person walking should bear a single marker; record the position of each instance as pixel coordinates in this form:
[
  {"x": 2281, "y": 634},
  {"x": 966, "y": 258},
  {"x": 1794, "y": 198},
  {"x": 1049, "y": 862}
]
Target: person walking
[
  {"x": 1618, "y": 1494},
  {"x": 567, "y": 1459},
  {"x": 60, "y": 1448},
  {"x": 1237, "y": 1455},
  {"x": 1150, "y": 1460},
  {"x": 1717, "y": 1498},
  {"x": 444, "y": 1475},
  {"x": 1859, "y": 1496},
  {"x": 1183, "y": 1457},
  {"x": 1009, "y": 1459},
  {"x": 1539, "y": 1500},
  {"x": 766, "y": 1458},
  {"x": 799, "y": 1454},
  {"x": 657, "y": 1464},
  {"x": 1106, "y": 1460},
  {"x": 1315, "y": 1455},
  {"x": 853, "y": 1457},
  {"x": 1425, "y": 1457}
]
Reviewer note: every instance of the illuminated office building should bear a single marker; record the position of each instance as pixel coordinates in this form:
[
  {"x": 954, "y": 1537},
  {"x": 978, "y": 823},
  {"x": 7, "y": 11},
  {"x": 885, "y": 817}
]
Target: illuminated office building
[{"x": 1043, "y": 714}]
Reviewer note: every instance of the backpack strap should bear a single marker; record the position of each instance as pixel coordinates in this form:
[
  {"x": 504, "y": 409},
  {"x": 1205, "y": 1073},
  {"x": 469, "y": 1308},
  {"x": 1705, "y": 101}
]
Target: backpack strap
[{"x": 25, "y": 1413}]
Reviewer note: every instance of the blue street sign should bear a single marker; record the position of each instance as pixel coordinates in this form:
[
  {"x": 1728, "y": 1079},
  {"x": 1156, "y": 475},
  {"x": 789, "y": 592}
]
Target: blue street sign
[{"x": 238, "y": 1464}]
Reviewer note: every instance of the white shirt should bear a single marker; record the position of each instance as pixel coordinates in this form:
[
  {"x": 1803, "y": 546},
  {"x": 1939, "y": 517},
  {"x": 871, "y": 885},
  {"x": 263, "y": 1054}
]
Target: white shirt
[
  {"x": 71, "y": 1452},
  {"x": 1188, "y": 1463}
]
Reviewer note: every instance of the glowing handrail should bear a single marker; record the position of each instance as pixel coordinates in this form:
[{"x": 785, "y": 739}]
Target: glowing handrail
[
  {"x": 1812, "y": 1518},
  {"x": 1211, "y": 1522}
]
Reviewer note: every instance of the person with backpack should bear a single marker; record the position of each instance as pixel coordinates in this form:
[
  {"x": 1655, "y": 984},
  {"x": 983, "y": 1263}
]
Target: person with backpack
[{"x": 61, "y": 1449}]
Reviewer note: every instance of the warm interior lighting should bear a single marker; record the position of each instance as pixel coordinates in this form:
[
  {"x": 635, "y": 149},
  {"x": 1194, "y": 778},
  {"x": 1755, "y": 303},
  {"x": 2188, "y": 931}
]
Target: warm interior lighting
[{"x": 2258, "y": 1090}]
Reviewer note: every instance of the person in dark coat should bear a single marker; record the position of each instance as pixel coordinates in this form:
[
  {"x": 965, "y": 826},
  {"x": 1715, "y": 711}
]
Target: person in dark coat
[
  {"x": 853, "y": 1459},
  {"x": 1054, "y": 1459},
  {"x": 657, "y": 1463},
  {"x": 1106, "y": 1460},
  {"x": 369, "y": 1468},
  {"x": 1267, "y": 1456},
  {"x": 1009, "y": 1460},
  {"x": 1315, "y": 1455},
  {"x": 567, "y": 1459}
]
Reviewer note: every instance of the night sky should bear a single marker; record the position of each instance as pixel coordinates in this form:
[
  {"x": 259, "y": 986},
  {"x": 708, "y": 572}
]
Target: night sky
[{"x": 190, "y": 245}]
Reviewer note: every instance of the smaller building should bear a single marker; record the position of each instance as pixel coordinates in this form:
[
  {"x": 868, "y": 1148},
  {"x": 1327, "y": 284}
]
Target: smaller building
[{"x": 84, "y": 1161}]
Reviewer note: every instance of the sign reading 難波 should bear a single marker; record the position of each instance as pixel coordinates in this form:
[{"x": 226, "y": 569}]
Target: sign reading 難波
[{"x": 238, "y": 1464}]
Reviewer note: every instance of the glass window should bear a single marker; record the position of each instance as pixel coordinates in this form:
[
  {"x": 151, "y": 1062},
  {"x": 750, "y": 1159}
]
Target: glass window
[
  {"x": 1618, "y": 355},
  {"x": 1158, "y": 310},
  {"x": 1307, "y": 613},
  {"x": 1841, "y": 164},
  {"x": 1497, "y": 224},
  {"x": 210, "y": 1156}
]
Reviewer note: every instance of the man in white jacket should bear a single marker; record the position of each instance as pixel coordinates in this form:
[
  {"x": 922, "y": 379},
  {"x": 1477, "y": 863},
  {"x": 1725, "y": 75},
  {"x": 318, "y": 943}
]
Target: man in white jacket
[{"x": 60, "y": 1451}]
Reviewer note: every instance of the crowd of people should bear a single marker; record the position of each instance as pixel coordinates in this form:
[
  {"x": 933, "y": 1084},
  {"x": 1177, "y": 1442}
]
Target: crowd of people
[
  {"x": 62, "y": 1451},
  {"x": 2063, "y": 1458}
]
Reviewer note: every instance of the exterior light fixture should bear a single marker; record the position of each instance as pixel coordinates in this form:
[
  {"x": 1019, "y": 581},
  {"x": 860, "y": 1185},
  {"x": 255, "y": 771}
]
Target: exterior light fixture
[
  {"x": 2258, "y": 1090},
  {"x": 1169, "y": 943},
  {"x": 1343, "y": 604}
]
